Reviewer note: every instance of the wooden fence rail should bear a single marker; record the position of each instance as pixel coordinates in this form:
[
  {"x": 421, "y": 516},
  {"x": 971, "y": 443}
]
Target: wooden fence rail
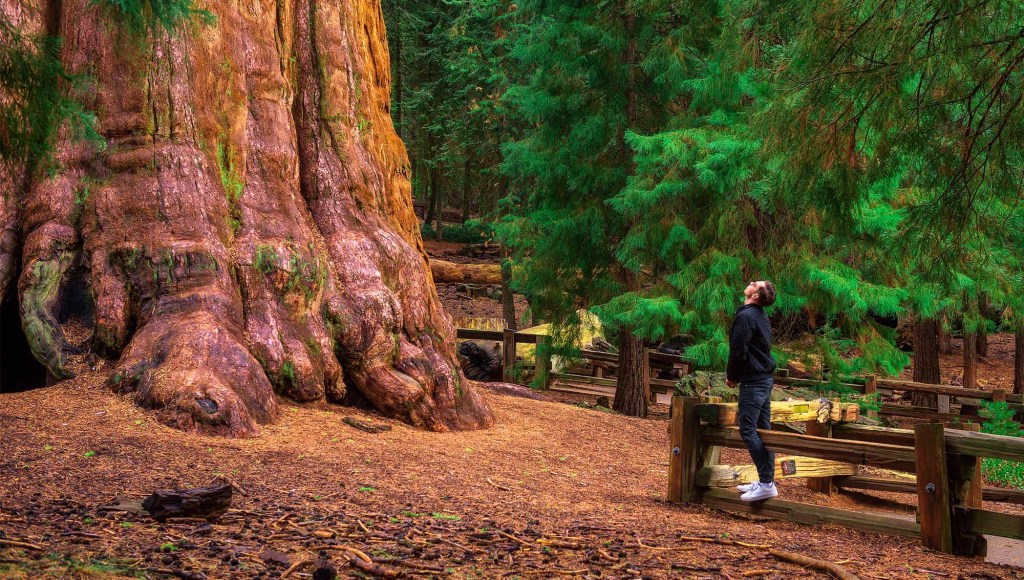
[
  {"x": 598, "y": 385},
  {"x": 946, "y": 462}
]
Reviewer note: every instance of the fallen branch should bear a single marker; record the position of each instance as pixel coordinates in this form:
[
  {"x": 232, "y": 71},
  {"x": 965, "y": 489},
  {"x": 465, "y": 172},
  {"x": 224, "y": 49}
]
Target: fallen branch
[
  {"x": 511, "y": 537},
  {"x": 17, "y": 544},
  {"x": 659, "y": 549},
  {"x": 501, "y": 487},
  {"x": 808, "y": 562},
  {"x": 296, "y": 566}
]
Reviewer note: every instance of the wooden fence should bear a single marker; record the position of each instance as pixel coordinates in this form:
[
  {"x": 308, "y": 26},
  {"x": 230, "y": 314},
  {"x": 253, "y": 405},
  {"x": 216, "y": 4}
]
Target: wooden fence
[
  {"x": 572, "y": 382},
  {"x": 947, "y": 464},
  {"x": 967, "y": 400}
]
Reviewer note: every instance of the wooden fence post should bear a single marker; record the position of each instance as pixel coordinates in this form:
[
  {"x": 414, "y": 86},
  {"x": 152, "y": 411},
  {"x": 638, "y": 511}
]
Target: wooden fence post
[
  {"x": 542, "y": 364},
  {"x": 998, "y": 396},
  {"x": 683, "y": 460},
  {"x": 965, "y": 486},
  {"x": 508, "y": 354},
  {"x": 933, "y": 498},
  {"x": 823, "y": 485},
  {"x": 871, "y": 388}
]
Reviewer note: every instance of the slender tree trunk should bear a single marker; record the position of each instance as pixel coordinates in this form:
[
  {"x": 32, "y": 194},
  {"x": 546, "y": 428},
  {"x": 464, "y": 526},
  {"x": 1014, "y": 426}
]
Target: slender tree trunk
[
  {"x": 249, "y": 231},
  {"x": 926, "y": 359},
  {"x": 983, "y": 307},
  {"x": 467, "y": 172},
  {"x": 508, "y": 304},
  {"x": 970, "y": 360},
  {"x": 1018, "y": 360}
]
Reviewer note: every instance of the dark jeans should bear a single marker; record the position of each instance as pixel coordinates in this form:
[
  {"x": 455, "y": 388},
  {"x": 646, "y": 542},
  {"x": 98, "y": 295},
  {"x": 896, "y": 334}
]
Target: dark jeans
[{"x": 755, "y": 413}]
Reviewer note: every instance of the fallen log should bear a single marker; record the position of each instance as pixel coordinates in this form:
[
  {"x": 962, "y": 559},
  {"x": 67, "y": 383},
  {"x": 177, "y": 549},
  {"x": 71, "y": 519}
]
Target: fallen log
[
  {"x": 446, "y": 272},
  {"x": 211, "y": 501}
]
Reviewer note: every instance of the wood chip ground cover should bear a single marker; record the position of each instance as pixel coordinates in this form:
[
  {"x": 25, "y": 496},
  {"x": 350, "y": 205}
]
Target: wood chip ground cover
[{"x": 553, "y": 490}]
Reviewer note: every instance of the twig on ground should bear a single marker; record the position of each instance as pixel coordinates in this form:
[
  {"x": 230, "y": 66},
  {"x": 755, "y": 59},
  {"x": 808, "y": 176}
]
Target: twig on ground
[
  {"x": 660, "y": 549},
  {"x": 808, "y": 562},
  {"x": 511, "y": 537},
  {"x": 501, "y": 487},
  {"x": 17, "y": 544},
  {"x": 302, "y": 562}
]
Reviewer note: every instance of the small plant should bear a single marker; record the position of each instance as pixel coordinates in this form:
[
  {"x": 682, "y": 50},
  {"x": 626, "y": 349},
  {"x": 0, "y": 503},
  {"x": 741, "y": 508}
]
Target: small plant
[
  {"x": 999, "y": 421},
  {"x": 168, "y": 547},
  {"x": 449, "y": 517},
  {"x": 126, "y": 525},
  {"x": 89, "y": 454},
  {"x": 367, "y": 489}
]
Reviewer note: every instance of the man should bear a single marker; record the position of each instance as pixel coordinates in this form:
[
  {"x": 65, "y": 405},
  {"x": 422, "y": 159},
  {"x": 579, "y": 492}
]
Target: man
[{"x": 751, "y": 366}]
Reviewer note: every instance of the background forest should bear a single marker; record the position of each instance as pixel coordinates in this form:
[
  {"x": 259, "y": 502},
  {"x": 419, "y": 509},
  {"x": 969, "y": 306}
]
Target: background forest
[{"x": 645, "y": 159}]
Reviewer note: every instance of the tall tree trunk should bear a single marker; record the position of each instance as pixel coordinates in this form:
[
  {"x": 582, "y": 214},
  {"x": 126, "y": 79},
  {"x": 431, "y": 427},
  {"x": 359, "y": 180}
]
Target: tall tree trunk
[
  {"x": 631, "y": 394},
  {"x": 1018, "y": 360},
  {"x": 926, "y": 359},
  {"x": 970, "y": 360},
  {"x": 249, "y": 230},
  {"x": 631, "y": 388}
]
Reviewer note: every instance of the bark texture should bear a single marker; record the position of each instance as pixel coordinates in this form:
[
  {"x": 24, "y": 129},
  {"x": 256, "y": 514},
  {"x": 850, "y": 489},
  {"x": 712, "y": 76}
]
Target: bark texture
[
  {"x": 248, "y": 231},
  {"x": 926, "y": 359},
  {"x": 631, "y": 390}
]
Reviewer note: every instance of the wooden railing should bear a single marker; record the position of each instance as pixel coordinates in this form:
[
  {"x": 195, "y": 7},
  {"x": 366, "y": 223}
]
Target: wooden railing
[
  {"x": 947, "y": 464},
  {"x": 571, "y": 382},
  {"x": 945, "y": 395}
]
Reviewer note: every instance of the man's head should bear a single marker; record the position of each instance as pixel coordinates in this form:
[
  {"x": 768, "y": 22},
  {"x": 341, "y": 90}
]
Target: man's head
[{"x": 761, "y": 292}]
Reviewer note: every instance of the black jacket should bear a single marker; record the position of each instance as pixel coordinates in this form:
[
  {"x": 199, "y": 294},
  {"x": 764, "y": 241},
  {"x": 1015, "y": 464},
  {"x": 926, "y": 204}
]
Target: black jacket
[{"x": 750, "y": 346}]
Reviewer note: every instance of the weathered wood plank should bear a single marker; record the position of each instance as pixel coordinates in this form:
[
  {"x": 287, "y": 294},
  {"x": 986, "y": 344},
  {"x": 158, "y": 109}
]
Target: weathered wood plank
[
  {"x": 725, "y": 414},
  {"x": 675, "y": 458},
  {"x": 894, "y": 457},
  {"x": 820, "y": 484},
  {"x": 811, "y": 514},
  {"x": 909, "y": 485},
  {"x": 690, "y": 449},
  {"x": 991, "y": 523},
  {"x": 786, "y": 467},
  {"x": 933, "y": 497}
]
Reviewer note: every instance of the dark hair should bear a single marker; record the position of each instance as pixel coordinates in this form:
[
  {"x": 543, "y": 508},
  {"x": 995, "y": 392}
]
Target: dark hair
[{"x": 766, "y": 294}]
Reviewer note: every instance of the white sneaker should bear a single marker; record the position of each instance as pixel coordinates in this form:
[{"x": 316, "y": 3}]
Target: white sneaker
[
  {"x": 747, "y": 486},
  {"x": 761, "y": 492}
]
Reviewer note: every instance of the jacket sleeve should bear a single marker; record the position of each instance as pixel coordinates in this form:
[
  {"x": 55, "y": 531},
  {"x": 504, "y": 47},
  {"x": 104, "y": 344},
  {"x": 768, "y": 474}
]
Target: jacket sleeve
[{"x": 739, "y": 341}]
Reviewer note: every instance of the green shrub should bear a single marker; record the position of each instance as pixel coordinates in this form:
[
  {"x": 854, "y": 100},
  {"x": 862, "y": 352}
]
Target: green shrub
[{"x": 999, "y": 421}]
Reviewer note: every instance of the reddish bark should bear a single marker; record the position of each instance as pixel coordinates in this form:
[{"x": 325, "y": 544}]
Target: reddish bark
[
  {"x": 926, "y": 359},
  {"x": 249, "y": 230},
  {"x": 970, "y": 360}
]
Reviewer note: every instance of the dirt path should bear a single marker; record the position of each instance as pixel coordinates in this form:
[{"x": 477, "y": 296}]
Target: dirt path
[{"x": 589, "y": 485}]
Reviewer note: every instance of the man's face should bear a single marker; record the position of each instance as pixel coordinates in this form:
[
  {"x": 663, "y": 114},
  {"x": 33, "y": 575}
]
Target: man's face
[{"x": 753, "y": 290}]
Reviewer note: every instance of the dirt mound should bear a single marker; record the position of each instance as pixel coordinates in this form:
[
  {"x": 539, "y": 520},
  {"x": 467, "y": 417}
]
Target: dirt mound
[{"x": 551, "y": 490}]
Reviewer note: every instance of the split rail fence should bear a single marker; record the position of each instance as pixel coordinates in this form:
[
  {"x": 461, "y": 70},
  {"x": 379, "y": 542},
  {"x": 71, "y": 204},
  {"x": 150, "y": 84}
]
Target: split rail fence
[
  {"x": 945, "y": 461},
  {"x": 573, "y": 382},
  {"x": 952, "y": 403}
]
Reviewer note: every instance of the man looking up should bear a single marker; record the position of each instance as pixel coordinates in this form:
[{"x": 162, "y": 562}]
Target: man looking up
[{"x": 751, "y": 367}]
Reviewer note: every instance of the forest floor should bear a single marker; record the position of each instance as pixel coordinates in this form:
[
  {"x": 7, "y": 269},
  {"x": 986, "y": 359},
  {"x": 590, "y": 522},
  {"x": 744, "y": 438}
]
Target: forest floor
[{"x": 552, "y": 490}]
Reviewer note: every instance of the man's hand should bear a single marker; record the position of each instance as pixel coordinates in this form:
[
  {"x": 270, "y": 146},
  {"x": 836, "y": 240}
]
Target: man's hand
[{"x": 730, "y": 384}]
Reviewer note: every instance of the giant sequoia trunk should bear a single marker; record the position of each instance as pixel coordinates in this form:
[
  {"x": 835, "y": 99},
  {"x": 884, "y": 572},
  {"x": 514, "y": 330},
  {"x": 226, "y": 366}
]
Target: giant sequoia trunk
[{"x": 248, "y": 231}]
